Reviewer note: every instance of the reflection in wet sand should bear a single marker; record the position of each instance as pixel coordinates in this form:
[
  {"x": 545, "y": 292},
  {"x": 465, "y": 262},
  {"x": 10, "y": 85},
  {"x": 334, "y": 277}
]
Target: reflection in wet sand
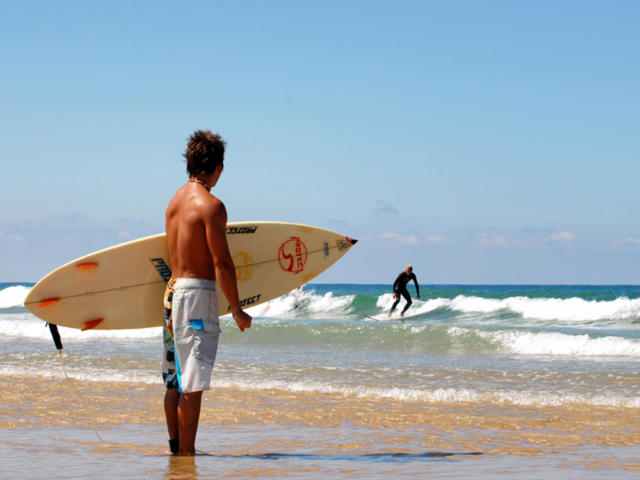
[
  {"x": 182, "y": 468},
  {"x": 377, "y": 425}
]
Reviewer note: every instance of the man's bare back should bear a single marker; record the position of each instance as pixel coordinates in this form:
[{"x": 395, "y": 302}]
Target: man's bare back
[
  {"x": 196, "y": 224},
  {"x": 190, "y": 213}
]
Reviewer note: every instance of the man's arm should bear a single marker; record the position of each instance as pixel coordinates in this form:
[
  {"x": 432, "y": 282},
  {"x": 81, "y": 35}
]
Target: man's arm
[
  {"x": 395, "y": 286},
  {"x": 415, "y": 280},
  {"x": 215, "y": 228}
]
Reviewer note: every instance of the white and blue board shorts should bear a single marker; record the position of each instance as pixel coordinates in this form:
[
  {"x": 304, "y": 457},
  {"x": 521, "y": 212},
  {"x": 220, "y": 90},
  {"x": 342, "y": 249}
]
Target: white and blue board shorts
[{"x": 191, "y": 332}]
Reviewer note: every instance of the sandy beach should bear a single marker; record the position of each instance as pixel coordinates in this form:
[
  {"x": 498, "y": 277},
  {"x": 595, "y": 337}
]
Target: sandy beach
[{"x": 72, "y": 429}]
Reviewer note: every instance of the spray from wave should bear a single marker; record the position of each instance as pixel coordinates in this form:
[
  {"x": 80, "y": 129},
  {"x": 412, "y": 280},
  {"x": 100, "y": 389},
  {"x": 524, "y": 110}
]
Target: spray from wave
[
  {"x": 308, "y": 304},
  {"x": 550, "y": 343},
  {"x": 568, "y": 310},
  {"x": 13, "y": 296}
]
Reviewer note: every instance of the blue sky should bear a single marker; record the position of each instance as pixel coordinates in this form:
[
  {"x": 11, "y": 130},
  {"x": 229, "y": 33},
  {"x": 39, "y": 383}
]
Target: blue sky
[{"x": 483, "y": 142}]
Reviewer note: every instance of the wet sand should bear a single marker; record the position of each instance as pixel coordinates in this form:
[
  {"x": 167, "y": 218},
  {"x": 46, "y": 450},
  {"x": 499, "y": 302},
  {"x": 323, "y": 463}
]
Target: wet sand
[{"x": 273, "y": 433}]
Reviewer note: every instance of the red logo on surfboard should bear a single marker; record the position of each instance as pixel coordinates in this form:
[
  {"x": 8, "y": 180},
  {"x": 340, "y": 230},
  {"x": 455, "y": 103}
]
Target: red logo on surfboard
[{"x": 293, "y": 255}]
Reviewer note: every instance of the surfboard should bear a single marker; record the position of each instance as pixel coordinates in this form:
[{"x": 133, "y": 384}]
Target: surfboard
[
  {"x": 395, "y": 316},
  {"x": 121, "y": 287}
]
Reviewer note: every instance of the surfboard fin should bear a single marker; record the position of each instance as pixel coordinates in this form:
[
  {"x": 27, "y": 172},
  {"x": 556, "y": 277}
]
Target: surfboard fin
[
  {"x": 89, "y": 324},
  {"x": 47, "y": 302},
  {"x": 86, "y": 266}
]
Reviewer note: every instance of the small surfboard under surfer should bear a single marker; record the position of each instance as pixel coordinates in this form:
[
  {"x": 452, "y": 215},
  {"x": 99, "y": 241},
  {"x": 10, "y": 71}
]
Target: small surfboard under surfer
[{"x": 400, "y": 289}]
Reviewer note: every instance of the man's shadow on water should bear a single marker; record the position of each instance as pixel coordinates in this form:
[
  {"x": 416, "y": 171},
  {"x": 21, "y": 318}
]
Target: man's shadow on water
[
  {"x": 391, "y": 457},
  {"x": 365, "y": 457}
]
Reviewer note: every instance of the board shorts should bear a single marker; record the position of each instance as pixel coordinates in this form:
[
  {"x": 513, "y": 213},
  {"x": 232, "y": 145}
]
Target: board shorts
[{"x": 191, "y": 331}]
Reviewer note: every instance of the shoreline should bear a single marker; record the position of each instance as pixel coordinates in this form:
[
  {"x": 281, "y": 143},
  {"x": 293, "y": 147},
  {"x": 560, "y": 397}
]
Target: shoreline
[{"x": 461, "y": 427}]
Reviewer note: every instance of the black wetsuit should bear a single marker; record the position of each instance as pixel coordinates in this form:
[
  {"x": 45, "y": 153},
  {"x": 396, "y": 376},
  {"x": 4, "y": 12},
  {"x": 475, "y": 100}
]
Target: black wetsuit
[{"x": 400, "y": 289}]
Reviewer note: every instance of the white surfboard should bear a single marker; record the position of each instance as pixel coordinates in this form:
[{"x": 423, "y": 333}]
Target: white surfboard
[
  {"x": 395, "y": 316},
  {"x": 121, "y": 287}
]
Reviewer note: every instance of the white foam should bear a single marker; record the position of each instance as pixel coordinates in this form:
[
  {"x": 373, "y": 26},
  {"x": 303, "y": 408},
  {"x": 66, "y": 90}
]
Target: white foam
[
  {"x": 301, "y": 301},
  {"x": 567, "y": 310},
  {"x": 26, "y": 325},
  {"x": 441, "y": 395},
  {"x": 413, "y": 395},
  {"x": 418, "y": 307},
  {"x": 570, "y": 310},
  {"x": 555, "y": 343},
  {"x": 84, "y": 374},
  {"x": 13, "y": 296}
]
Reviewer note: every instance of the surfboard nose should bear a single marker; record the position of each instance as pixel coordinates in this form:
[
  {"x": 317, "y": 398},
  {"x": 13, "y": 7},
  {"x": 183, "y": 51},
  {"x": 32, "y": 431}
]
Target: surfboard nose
[{"x": 352, "y": 241}]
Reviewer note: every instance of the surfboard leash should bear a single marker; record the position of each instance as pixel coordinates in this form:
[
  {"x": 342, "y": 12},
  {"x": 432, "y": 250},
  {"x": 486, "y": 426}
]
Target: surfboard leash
[{"x": 53, "y": 328}]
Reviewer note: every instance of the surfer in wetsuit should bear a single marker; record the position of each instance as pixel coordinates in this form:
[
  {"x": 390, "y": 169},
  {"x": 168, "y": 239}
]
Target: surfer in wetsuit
[{"x": 400, "y": 289}]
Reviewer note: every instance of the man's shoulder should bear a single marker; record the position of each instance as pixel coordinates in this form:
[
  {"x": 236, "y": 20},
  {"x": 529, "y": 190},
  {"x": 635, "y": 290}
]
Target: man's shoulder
[
  {"x": 211, "y": 203},
  {"x": 212, "y": 211}
]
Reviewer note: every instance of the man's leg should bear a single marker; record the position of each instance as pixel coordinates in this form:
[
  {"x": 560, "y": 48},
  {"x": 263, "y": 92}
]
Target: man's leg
[
  {"x": 171, "y": 399},
  {"x": 395, "y": 304},
  {"x": 407, "y": 297},
  {"x": 188, "y": 417},
  {"x": 171, "y": 396}
]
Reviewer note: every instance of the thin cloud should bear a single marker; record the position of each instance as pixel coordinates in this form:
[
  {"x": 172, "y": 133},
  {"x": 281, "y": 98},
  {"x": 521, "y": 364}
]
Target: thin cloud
[
  {"x": 405, "y": 239},
  {"x": 490, "y": 240},
  {"x": 385, "y": 208},
  {"x": 437, "y": 239},
  {"x": 632, "y": 240},
  {"x": 620, "y": 242},
  {"x": 564, "y": 237}
]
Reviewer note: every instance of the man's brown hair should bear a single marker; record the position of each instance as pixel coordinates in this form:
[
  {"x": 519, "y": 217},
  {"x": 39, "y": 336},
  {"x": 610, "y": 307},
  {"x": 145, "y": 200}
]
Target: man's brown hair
[{"x": 205, "y": 151}]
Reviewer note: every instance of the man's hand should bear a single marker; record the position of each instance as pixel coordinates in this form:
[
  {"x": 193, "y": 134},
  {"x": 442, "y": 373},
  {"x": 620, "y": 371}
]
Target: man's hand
[
  {"x": 394, "y": 295},
  {"x": 242, "y": 319}
]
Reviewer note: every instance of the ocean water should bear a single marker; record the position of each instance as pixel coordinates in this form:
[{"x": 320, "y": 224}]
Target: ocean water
[{"x": 489, "y": 370}]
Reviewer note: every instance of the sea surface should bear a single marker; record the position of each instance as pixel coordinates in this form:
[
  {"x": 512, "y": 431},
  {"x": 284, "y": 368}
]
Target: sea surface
[{"x": 485, "y": 380}]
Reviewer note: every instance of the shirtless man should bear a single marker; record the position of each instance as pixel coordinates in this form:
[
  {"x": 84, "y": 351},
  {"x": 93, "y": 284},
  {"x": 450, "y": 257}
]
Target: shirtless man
[{"x": 200, "y": 259}]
